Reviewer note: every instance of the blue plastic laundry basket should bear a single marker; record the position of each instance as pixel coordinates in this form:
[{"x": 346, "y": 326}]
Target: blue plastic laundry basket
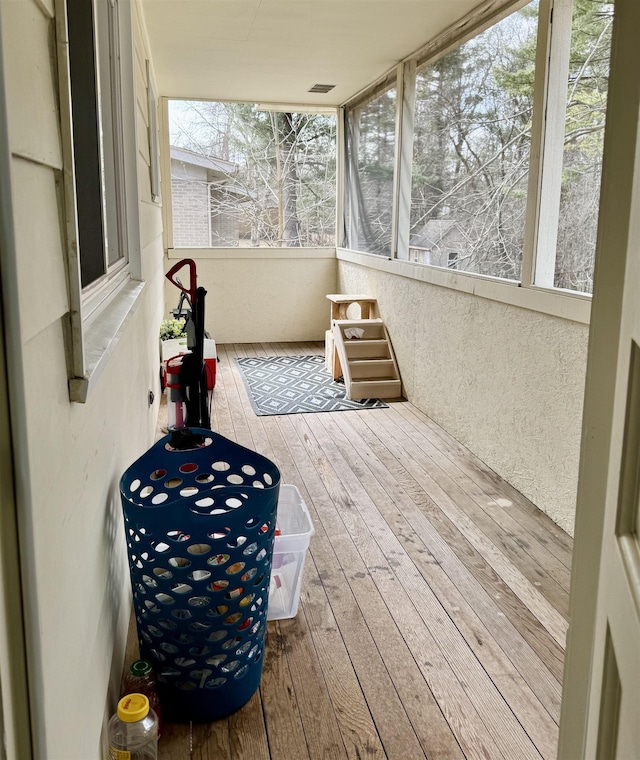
[{"x": 199, "y": 526}]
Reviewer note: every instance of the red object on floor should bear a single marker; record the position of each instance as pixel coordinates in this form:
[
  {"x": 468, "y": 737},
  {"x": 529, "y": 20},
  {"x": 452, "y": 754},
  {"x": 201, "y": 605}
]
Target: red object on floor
[{"x": 210, "y": 369}]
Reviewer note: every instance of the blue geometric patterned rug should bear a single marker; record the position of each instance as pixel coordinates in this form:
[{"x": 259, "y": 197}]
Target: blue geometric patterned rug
[{"x": 295, "y": 385}]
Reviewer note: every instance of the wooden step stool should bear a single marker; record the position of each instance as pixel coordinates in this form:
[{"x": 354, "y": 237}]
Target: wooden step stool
[{"x": 339, "y": 307}]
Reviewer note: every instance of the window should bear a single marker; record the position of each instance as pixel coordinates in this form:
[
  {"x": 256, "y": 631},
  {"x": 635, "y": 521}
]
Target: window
[
  {"x": 471, "y": 146},
  {"x": 96, "y": 100},
  {"x": 246, "y": 177},
  {"x": 371, "y": 145},
  {"x": 566, "y": 252},
  {"x": 98, "y": 109},
  {"x": 503, "y": 135}
]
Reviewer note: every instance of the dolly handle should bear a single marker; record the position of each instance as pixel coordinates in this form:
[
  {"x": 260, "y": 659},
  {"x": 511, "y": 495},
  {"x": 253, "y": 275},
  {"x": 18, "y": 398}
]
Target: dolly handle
[{"x": 191, "y": 292}]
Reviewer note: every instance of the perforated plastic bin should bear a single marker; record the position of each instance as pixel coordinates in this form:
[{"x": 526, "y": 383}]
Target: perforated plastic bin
[{"x": 200, "y": 526}]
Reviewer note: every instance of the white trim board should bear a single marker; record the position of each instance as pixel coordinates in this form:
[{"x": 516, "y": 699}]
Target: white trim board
[
  {"x": 101, "y": 335},
  {"x": 251, "y": 253},
  {"x": 575, "y": 307}
]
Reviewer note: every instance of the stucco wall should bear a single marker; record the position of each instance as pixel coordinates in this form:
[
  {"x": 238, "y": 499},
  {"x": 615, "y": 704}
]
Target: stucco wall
[
  {"x": 262, "y": 294},
  {"x": 72, "y": 538},
  {"x": 505, "y": 381}
]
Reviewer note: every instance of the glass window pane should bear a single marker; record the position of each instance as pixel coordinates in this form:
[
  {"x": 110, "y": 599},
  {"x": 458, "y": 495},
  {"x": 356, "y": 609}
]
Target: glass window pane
[
  {"x": 371, "y": 145},
  {"x": 110, "y": 133},
  {"x": 472, "y": 139},
  {"x": 241, "y": 177},
  {"x": 583, "y": 144}
]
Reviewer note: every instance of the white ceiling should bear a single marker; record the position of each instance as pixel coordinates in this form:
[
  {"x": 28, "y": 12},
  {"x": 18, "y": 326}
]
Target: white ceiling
[{"x": 275, "y": 50}]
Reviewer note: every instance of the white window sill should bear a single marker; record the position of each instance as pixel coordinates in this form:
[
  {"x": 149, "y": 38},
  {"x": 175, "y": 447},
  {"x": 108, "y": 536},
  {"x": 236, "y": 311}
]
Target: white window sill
[
  {"x": 101, "y": 334},
  {"x": 564, "y": 304},
  {"x": 251, "y": 253}
]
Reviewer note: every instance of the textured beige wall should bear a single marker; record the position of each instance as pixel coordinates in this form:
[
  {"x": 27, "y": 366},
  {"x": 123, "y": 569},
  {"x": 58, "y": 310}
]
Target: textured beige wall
[
  {"x": 505, "y": 381},
  {"x": 262, "y": 295},
  {"x": 71, "y": 528}
]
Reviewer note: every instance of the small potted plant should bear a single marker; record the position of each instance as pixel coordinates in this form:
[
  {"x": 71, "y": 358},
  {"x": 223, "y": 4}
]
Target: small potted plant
[
  {"x": 172, "y": 328},
  {"x": 173, "y": 338}
]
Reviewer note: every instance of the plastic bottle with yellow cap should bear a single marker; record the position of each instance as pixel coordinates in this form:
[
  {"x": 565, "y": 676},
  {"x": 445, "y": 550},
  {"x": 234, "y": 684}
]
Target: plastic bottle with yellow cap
[{"x": 133, "y": 730}]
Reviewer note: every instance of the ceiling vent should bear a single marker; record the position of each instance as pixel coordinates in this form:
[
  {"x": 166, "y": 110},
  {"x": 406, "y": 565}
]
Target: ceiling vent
[{"x": 322, "y": 88}]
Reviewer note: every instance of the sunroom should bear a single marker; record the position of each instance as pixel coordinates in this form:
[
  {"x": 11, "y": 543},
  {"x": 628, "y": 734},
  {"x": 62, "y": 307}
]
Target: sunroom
[
  {"x": 489, "y": 247},
  {"x": 469, "y": 166}
]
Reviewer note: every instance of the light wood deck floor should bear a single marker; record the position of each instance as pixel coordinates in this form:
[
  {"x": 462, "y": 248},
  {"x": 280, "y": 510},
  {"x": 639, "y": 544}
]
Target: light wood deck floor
[{"x": 433, "y": 609}]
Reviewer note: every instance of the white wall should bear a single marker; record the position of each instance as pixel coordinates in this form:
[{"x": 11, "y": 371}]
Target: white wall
[
  {"x": 505, "y": 381},
  {"x": 72, "y": 538},
  {"x": 262, "y": 294}
]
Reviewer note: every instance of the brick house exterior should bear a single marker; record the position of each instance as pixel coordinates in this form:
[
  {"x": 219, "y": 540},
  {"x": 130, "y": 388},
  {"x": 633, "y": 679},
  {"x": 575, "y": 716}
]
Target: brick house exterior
[{"x": 197, "y": 181}]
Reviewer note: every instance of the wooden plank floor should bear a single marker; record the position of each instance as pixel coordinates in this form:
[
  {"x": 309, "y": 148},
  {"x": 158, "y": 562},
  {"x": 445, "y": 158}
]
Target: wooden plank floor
[{"x": 433, "y": 609}]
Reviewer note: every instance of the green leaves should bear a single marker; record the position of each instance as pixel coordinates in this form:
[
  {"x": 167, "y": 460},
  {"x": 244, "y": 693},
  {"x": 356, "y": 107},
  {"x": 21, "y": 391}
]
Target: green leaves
[{"x": 172, "y": 328}]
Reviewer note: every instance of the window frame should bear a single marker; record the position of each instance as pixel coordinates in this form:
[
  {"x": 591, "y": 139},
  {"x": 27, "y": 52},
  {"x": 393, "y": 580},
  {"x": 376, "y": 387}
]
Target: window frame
[
  {"x": 383, "y": 86},
  {"x": 154, "y": 136},
  {"x": 549, "y": 108},
  {"x": 554, "y": 49},
  {"x": 98, "y": 310},
  {"x": 165, "y": 164}
]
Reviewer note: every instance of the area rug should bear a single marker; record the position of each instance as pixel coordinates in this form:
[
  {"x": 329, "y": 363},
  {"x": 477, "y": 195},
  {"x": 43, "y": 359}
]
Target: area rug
[{"x": 295, "y": 385}]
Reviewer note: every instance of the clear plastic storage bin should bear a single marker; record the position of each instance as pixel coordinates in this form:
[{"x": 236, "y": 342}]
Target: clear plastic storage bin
[{"x": 293, "y": 532}]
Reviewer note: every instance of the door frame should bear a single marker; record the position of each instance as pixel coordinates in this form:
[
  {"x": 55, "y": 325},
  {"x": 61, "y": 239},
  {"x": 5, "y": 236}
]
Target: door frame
[
  {"x": 621, "y": 139},
  {"x": 15, "y": 714}
]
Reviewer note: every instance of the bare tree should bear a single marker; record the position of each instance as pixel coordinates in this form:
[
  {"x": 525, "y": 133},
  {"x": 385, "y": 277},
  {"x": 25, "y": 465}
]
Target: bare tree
[
  {"x": 472, "y": 139},
  {"x": 281, "y": 191}
]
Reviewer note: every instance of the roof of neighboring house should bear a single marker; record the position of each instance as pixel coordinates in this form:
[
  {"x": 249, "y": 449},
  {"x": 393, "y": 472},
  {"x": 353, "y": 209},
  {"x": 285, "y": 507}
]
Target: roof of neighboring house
[
  {"x": 219, "y": 171},
  {"x": 238, "y": 190},
  {"x": 434, "y": 232},
  {"x": 199, "y": 159}
]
